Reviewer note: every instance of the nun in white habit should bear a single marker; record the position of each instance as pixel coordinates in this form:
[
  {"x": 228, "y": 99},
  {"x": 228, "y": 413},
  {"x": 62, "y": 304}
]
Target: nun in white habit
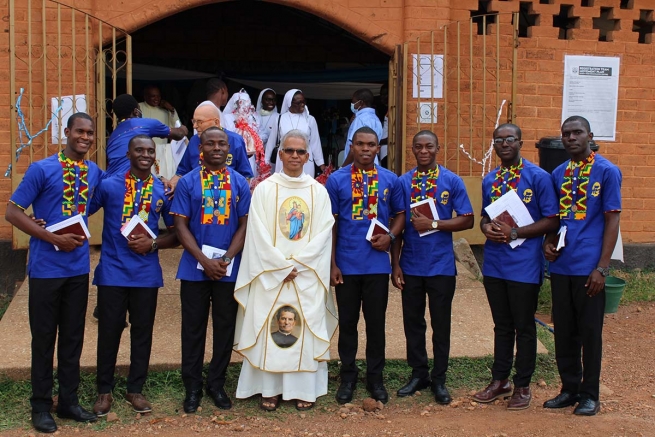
[
  {"x": 294, "y": 114},
  {"x": 267, "y": 110}
]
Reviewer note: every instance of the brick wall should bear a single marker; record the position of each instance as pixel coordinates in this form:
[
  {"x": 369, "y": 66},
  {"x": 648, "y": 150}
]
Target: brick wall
[{"x": 385, "y": 23}]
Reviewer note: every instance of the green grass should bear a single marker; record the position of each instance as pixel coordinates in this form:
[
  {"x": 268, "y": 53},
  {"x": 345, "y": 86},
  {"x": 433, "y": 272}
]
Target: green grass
[
  {"x": 5, "y": 299},
  {"x": 640, "y": 287}
]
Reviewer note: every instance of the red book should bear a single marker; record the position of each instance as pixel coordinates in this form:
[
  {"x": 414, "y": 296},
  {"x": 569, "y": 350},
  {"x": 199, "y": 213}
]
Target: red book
[
  {"x": 506, "y": 218},
  {"x": 75, "y": 228},
  {"x": 423, "y": 208},
  {"x": 376, "y": 228}
]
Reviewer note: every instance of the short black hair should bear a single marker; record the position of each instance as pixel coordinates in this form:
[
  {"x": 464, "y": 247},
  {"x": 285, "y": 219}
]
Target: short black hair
[
  {"x": 124, "y": 105},
  {"x": 428, "y": 133},
  {"x": 72, "y": 118},
  {"x": 136, "y": 138},
  {"x": 581, "y": 119},
  {"x": 214, "y": 85},
  {"x": 204, "y": 133},
  {"x": 366, "y": 130},
  {"x": 510, "y": 125},
  {"x": 150, "y": 86},
  {"x": 365, "y": 95}
]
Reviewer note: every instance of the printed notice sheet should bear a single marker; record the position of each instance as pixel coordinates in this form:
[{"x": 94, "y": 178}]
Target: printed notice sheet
[
  {"x": 428, "y": 76},
  {"x": 511, "y": 204},
  {"x": 67, "y": 109},
  {"x": 591, "y": 89}
]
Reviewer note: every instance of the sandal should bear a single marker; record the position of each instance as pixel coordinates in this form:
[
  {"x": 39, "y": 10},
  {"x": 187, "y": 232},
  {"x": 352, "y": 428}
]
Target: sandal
[
  {"x": 304, "y": 405},
  {"x": 269, "y": 404}
]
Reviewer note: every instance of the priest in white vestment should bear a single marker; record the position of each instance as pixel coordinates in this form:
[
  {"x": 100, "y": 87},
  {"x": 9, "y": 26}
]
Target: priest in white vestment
[
  {"x": 150, "y": 108},
  {"x": 294, "y": 115},
  {"x": 285, "y": 273}
]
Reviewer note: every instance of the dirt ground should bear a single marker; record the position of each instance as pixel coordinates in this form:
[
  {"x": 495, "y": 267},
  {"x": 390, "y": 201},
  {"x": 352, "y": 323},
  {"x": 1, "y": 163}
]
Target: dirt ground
[{"x": 627, "y": 395}]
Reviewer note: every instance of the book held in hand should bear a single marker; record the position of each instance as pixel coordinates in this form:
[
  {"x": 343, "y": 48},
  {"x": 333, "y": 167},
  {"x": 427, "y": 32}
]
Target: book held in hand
[
  {"x": 376, "y": 228},
  {"x": 427, "y": 208},
  {"x": 212, "y": 252},
  {"x": 136, "y": 226},
  {"x": 510, "y": 209},
  {"x": 72, "y": 225}
]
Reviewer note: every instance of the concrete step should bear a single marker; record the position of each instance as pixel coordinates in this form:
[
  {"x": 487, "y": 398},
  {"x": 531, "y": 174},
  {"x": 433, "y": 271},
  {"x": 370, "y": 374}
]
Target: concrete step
[{"x": 471, "y": 335}]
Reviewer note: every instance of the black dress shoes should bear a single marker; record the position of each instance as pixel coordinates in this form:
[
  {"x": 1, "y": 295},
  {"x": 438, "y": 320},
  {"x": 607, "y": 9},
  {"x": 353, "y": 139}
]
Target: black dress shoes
[
  {"x": 441, "y": 395},
  {"x": 192, "y": 401},
  {"x": 413, "y": 386},
  {"x": 562, "y": 400},
  {"x": 221, "y": 400},
  {"x": 44, "y": 422},
  {"x": 345, "y": 392},
  {"x": 76, "y": 413},
  {"x": 587, "y": 407},
  {"x": 378, "y": 392}
]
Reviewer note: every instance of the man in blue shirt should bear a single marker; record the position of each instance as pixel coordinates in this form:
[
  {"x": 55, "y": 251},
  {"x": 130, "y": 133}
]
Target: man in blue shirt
[
  {"x": 210, "y": 211},
  {"x": 426, "y": 264},
  {"x": 513, "y": 277},
  {"x": 589, "y": 206},
  {"x": 57, "y": 187},
  {"x": 205, "y": 116},
  {"x": 360, "y": 193},
  {"x": 128, "y": 275},
  {"x": 362, "y": 106},
  {"x": 130, "y": 124}
]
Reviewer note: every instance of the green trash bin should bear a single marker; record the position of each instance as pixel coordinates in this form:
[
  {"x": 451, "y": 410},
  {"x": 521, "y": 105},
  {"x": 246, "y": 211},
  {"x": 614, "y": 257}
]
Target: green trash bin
[{"x": 613, "y": 291}]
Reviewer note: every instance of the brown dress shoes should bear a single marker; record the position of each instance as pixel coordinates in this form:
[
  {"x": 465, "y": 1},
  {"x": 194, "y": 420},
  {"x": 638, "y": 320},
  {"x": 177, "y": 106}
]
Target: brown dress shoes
[
  {"x": 138, "y": 402},
  {"x": 103, "y": 404},
  {"x": 495, "y": 390},
  {"x": 520, "y": 399}
]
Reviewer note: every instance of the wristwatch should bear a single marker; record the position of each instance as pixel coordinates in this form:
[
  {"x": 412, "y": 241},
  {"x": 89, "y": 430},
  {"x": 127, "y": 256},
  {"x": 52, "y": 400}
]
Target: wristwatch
[
  {"x": 603, "y": 271},
  {"x": 153, "y": 247},
  {"x": 435, "y": 224},
  {"x": 226, "y": 259},
  {"x": 392, "y": 236},
  {"x": 514, "y": 234}
]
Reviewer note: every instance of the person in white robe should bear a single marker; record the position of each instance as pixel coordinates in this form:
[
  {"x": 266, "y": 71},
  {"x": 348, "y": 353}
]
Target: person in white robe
[
  {"x": 286, "y": 263},
  {"x": 294, "y": 115},
  {"x": 240, "y": 116},
  {"x": 267, "y": 110},
  {"x": 154, "y": 107}
]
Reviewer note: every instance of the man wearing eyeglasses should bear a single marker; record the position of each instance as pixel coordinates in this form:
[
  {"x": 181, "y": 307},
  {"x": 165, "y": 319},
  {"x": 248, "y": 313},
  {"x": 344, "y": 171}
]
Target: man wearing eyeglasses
[
  {"x": 360, "y": 193},
  {"x": 206, "y": 116},
  {"x": 590, "y": 207},
  {"x": 513, "y": 276},
  {"x": 130, "y": 124},
  {"x": 286, "y": 272},
  {"x": 426, "y": 265}
]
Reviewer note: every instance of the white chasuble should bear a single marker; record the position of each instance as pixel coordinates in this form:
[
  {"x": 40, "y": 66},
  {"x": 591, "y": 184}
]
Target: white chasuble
[{"x": 286, "y": 326}]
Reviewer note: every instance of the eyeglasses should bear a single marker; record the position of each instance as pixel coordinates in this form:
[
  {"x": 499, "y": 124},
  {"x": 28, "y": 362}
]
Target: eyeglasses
[
  {"x": 198, "y": 122},
  {"x": 508, "y": 140},
  {"x": 289, "y": 151}
]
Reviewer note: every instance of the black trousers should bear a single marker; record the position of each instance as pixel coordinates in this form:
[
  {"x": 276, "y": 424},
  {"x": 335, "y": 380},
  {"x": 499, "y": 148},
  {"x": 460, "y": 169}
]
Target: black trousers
[
  {"x": 371, "y": 294},
  {"x": 113, "y": 303},
  {"x": 57, "y": 307},
  {"x": 197, "y": 297},
  {"x": 440, "y": 291},
  {"x": 513, "y": 305},
  {"x": 578, "y": 321}
]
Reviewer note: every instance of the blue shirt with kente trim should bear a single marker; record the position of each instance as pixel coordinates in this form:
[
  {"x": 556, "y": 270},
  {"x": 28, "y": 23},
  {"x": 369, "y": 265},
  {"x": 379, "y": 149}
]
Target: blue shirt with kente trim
[
  {"x": 584, "y": 237},
  {"x": 354, "y": 254},
  {"x": 525, "y": 263},
  {"x": 364, "y": 117},
  {"x": 119, "y": 266},
  {"x": 237, "y": 159},
  {"x": 432, "y": 254},
  {"x": 189, "y": 202},
  {"x": 117, "y": 162},
  {"x": 42, "y": 187}
]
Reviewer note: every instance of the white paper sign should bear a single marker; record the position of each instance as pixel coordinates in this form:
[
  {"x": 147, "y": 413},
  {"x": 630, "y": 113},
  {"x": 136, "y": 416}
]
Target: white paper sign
[
  {"x": 591, "y": 89},
  {"x": 427, "y": 113},
  {"x": 67, "y": 110},
  {"x": 428, "y": 76}
]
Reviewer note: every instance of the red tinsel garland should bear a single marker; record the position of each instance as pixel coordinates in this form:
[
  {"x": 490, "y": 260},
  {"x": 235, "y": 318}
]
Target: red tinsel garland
[
  {"x": 323, "y": 177},
  {"x": 250, "y": 134}
]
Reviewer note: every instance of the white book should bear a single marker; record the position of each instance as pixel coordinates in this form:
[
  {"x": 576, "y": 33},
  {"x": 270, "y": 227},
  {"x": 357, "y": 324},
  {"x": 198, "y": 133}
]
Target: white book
[
  {"x": 376, "y": 228},
  {"x": 429, "y": 207},
  {"x": 562, "y": 237},
  {"x": 212, "y": 252},
  {"x": 72, "y": 225},
  {"x": 136, "y": 226},
  {"x": 511, "y": 206}
]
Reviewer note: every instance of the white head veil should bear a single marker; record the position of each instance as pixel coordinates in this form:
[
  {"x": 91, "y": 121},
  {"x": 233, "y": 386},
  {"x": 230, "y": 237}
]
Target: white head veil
[
  {"x": 286, "y": 103},
  {"x": 259, "y": 101}
]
